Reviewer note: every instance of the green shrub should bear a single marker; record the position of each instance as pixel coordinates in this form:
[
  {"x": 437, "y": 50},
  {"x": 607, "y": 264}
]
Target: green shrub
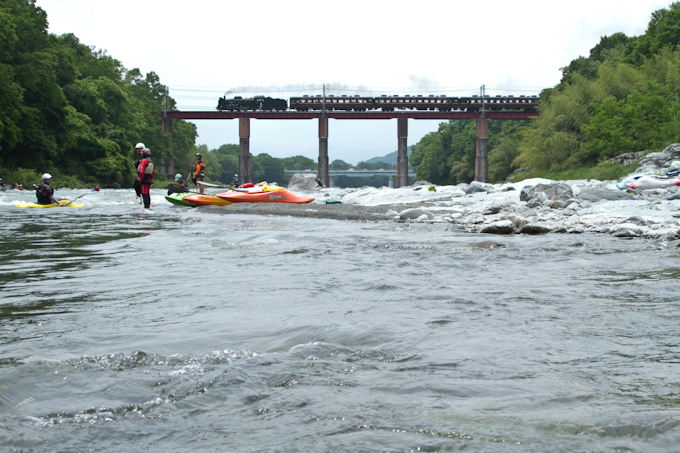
[{"x": 604, "y": 171}]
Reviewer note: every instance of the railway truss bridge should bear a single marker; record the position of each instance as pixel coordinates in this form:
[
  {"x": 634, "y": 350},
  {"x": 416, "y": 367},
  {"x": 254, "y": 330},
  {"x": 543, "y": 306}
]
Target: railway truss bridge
[{"x": 402, "y": 117}]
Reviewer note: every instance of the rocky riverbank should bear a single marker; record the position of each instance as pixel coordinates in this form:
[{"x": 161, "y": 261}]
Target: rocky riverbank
[{"x": 534, "y": 206}]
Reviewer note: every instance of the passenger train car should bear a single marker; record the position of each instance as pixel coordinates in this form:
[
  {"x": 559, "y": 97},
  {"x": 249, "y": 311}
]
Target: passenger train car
[{"x": 385, "y": 103}]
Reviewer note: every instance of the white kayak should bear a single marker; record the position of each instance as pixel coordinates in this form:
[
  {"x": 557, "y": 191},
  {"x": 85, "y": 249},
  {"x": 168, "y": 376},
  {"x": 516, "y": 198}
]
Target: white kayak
[{"x": 652, "y": 182}]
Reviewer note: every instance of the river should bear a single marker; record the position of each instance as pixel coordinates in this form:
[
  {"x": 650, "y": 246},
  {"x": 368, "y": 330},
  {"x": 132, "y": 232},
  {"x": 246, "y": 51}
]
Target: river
[{"x": 187, "y": 329}]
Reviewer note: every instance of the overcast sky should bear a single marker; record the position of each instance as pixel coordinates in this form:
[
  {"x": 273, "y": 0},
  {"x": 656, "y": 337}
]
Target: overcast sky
[{"x": 203, "y": 49}]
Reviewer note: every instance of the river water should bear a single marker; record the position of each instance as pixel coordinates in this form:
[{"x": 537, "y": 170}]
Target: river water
[{"x": 187, "y": 329}]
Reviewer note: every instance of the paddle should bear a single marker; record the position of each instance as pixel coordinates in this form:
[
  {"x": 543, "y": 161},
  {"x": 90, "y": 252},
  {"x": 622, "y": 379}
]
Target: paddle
[
  {"x": 213, "y": 185},
  {"x": 69, "y": 202}
]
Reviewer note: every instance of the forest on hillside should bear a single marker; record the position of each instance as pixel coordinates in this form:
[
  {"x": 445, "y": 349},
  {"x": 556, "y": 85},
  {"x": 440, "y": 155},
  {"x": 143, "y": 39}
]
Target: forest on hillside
[
  {"x": 623, "y": 98},
  {"x": 74, "y": 111}
]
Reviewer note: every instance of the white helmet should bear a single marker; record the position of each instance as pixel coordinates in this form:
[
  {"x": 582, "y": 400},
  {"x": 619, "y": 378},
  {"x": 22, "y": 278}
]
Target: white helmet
[
  {"x": 178, "y": 176},
  {"x": 140, "y": 145},
  {"x": 47, "y": 176},
  {"x": 236, "y": 174}
]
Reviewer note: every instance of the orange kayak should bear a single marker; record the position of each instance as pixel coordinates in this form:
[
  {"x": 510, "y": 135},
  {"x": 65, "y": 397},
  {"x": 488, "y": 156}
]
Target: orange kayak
[
  {"x": 274, "y": 196},
  {"x": 203, "y": 200}
]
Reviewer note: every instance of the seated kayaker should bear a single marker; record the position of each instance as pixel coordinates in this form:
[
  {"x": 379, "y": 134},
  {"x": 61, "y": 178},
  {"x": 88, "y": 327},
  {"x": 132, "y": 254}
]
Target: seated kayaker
[
  {"x": 45, "y": 193},
  {"x": 181, "y": 182}
]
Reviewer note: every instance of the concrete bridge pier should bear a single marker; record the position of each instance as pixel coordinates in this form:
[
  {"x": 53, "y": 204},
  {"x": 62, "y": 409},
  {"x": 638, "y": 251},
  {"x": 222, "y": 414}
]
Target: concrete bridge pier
[
  {"x": 323, "y": 152},
  {"x": 481, "y": 159},
  {"x": 244, "y": 149},
  {"x": 167, "y": 165},
  {"x": 402, "y": 152}
]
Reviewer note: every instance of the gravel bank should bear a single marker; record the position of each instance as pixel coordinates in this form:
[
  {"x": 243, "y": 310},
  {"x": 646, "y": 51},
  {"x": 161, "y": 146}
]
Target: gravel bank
[{"x": 319, "y": 211}]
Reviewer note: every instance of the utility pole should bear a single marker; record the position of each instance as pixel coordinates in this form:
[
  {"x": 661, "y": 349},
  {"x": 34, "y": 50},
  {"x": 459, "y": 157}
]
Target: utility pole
[
  {"x": 481, "y": 160},
  {"x": 482, "y": 91},
  {"x": 322, "y": 173}
]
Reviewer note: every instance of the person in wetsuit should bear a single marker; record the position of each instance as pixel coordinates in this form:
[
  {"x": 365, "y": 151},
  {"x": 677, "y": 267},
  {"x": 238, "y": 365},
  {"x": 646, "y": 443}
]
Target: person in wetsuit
[
  {"x": 145, "y": 173},
  {"x": 45, "y": 193},
  {"x": 139, "y": 147},
  {"x": 199, "y": 171},
  {"x": 236, "y": 181}
]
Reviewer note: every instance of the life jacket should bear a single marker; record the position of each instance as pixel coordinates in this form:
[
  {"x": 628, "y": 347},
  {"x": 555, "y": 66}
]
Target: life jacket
[
  {"x": 148, "y": 171},
  {"x": 44, "y": 194},
  {"x": 199, "y": 168}
]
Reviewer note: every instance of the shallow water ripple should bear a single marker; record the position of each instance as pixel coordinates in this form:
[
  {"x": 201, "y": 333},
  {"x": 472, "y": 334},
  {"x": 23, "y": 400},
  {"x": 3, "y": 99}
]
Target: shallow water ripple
[{"x": 189, "y": 329}]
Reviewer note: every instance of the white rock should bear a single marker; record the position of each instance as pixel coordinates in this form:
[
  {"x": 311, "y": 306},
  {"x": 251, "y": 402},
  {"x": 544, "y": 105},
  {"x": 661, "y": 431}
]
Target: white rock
[{"x": 414, "y": 213}]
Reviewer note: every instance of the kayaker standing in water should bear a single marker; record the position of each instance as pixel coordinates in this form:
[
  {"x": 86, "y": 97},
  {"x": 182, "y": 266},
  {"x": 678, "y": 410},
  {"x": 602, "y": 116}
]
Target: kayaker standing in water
[
  {"x": 45, "y": 193},
  {"x": 236, "y": 181},
  {"x": 145, "y": 173},
  {"x": 199, "y": 171},
  {"x": 139, "y": 147}
]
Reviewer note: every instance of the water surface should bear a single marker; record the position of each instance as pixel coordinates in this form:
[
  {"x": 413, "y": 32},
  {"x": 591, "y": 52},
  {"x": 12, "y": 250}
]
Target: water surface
[{"x": 194, "y": 329}]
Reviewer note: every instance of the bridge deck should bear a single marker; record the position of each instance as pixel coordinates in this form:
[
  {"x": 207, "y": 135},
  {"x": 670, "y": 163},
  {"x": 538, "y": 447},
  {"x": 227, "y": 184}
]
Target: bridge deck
[
  {"x": 355, "y": 173},
  {"x": 291, "y": 115}
]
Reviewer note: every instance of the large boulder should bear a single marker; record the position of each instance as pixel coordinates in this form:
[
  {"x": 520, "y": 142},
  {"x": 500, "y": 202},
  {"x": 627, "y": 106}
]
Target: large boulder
[
  {"x": 304, "y": 181},
  {"x": 493, "y": 209},
  {"x": 534, "y": 229},
  {"x": 500, "y": 227},
  {"x": 474, "y": 189},
  {"x": 546, "y": 192},
  {"x": 416, "y": 213},
  {"x": 593, "y": 194},
  {"x": 659, "y": 163}
]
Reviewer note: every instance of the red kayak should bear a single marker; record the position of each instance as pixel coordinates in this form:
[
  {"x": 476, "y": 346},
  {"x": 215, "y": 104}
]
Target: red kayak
[
  {"x": 203, "y": 200},
  {"x": 274, "y": 196}
]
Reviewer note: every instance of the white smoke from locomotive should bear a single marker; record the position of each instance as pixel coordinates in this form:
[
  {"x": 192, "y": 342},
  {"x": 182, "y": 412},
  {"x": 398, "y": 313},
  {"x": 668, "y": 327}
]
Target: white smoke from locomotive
[{"x": 334, "y": 88}]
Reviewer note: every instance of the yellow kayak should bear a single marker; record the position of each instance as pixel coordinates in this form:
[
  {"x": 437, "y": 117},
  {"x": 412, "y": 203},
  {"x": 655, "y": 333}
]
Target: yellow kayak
[{"x": 67, "y": 203}]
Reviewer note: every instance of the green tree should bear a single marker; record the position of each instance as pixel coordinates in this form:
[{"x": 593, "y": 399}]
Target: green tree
[
  {"x": 663, "y": 31},
  {"x": 267, "y": 168},
  {"x": 298, "y": 163},
  {"x": 644, "y": 121},
  {"x": 339, "y": 164}
]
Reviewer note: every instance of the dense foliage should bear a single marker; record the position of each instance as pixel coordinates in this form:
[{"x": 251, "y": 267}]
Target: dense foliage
[
  {"x": 623, "y": 98},
  {"x": 73, "y": 111}
]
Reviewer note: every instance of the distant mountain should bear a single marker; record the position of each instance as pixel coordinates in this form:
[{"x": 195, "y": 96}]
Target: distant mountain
[{"x": 390, "y": 158}]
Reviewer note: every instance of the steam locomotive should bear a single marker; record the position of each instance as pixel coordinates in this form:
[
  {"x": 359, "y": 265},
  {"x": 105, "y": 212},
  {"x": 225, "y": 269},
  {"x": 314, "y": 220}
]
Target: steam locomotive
[
  {"x": 385, "y": 103},
  {"x": 255, "y": 103}
]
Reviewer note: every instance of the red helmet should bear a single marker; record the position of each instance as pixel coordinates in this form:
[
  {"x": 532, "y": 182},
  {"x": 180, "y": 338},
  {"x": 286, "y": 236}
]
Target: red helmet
[{"x": 146, "y": 152}]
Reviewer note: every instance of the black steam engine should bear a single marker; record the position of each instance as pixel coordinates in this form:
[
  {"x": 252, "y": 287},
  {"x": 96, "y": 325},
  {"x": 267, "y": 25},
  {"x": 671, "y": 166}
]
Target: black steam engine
[
  {"x": 384, "y": 103},
  {"x": 255, "y": 103}
]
